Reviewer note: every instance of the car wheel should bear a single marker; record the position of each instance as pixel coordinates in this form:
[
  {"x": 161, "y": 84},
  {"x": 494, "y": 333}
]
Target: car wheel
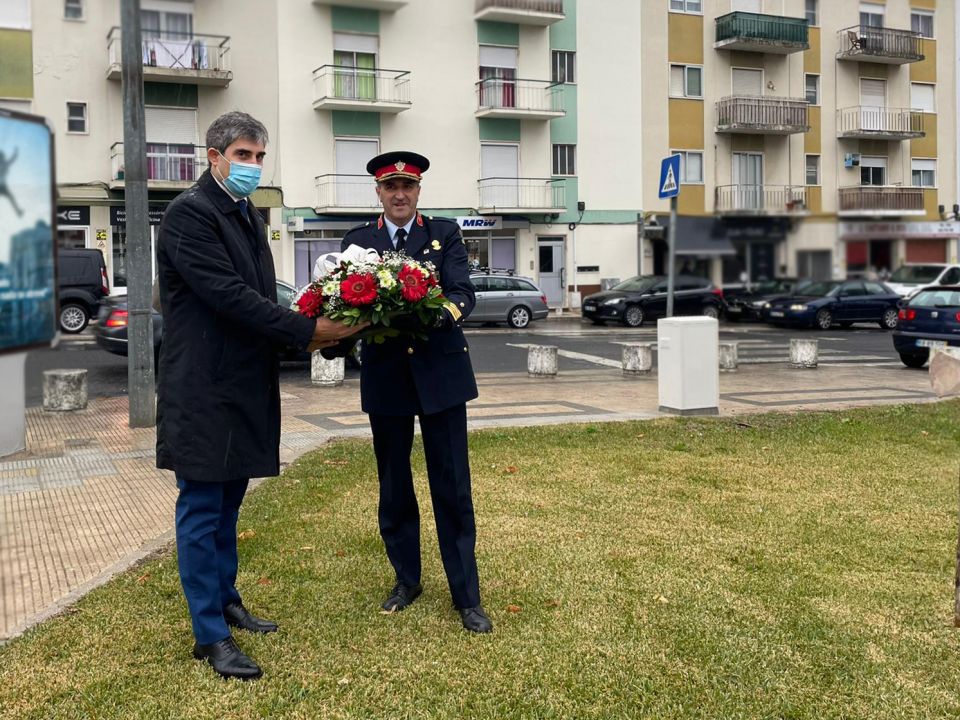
[
  {"x": 633, "y": 316},
  {"x": 518, "y": 317},
  {"x": 824, "y": 319},
  {"x": 889, "y": 321},
  {"x": 711, "y": 311},
  {"x": 73, "y": 318},
  {"x": 912, "y": 360}
]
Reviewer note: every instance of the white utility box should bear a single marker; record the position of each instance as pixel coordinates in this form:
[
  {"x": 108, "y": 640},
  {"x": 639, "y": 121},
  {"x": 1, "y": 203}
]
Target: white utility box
[{"x": 688, "y": 365}]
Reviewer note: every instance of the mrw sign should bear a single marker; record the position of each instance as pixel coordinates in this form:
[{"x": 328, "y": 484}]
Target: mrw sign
[{"x": 670, "y": 177}]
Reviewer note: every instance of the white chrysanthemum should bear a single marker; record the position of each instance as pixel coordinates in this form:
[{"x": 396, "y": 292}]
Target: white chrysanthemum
[
  {"x": 386, "y": 279},
  {"x": 331, "y": 288}
]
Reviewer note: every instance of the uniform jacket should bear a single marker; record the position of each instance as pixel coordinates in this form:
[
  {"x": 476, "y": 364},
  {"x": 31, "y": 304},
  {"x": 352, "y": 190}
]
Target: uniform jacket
[
  {"x": 218, "y": 405},
  {"x": 404, "y": 375}
]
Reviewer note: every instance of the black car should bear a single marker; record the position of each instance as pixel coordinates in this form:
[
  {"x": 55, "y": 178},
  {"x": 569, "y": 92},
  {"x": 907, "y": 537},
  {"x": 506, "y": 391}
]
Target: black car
[
  {"x": 929, "y": 319},
  {"x": 82, "y": 287},
  {"x": 823, "y": 304},
  {"x": 644, "y": 297},
  {"x": 750, "y": 304}
]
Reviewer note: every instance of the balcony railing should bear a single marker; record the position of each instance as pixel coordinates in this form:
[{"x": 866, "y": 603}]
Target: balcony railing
[
  {"x": 881, "y": 200},
  {"x": 502, "y": 194},
  {"x": 526, "y": 12},
  {"x": 761, "y": 199},
  {"x": 525, "y": 99},
  {"x": 878, "y": 122},
  {"x": 865, "y": 43},
  {"x": 762, "y": 115},
  {"x": 168, "y": 164},
  {"x": 177, "y": 57},
  {"x": 339, "y": 87},
  {"x": 346, "y": 193},
  {"x": 761, "y": 33}
]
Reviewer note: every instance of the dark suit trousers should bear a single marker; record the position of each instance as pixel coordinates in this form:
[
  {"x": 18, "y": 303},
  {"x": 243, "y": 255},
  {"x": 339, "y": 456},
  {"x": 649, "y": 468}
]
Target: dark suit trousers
[
  {"x": 448, "y": 471},
  {"x": 206, "y": 524}
]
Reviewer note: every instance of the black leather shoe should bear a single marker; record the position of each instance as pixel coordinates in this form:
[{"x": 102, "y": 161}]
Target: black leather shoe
[
  {"x": 401, "y": 596},
  {"x": 238, "y": 616},
  {"x": 228, "y": 660},
  {"x": 475, "y": 619}
]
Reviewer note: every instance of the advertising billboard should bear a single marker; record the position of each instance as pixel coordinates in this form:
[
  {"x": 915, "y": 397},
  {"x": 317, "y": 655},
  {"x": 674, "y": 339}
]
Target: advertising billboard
[{"x": 28, "y": 278}]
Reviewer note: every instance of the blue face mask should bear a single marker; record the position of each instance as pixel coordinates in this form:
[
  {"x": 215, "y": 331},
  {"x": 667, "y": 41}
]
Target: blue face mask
[{"x": 243, "y": 178}]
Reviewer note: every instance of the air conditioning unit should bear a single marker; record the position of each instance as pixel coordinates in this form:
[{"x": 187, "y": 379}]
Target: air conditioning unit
[
  {"x": 851, "y": 160},
  {"x": 295, "y": 224}
]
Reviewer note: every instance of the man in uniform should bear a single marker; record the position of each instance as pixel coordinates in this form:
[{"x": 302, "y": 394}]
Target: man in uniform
[{"x": 431, "y": 379}]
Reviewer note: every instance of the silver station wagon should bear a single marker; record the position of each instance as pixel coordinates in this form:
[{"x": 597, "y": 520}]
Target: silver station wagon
[{"x": 507, "y": 298}]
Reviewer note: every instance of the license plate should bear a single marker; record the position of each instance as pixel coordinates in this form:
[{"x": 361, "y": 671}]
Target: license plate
[
  {"x": 734, "y": 309},
  {"x": 922, "y": 342},
  {"x": 776, "y": 313},
  {"x": 589, "y": 307}
]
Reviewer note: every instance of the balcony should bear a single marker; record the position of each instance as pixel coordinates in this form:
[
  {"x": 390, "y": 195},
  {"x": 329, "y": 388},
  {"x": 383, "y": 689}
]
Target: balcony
[
  {"x": 865, "y": 43},
  {"x": 521, "y": 195},
  {"x": 177, "y": 58},
  {"x": 339, "y": 87},
  {"x": 757, "y": 115},
  {"x": 878, "y": 123},
  {"x": 387, "y": 5},
  {"x": 754, "y": 32},
  {"x": 769, "y": 200},
  {"x": 522, "y": 12},
  {"x": 346, "y": 195},
  {"x": 880, "y": 201},
  {"x": 521, "y": 99},
  {"x": 170, "y": 166}
]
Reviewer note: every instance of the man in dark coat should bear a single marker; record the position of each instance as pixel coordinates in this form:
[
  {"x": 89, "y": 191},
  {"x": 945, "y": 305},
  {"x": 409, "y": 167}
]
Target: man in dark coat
[
  {"x": 218, "y": 406},
  {"x": 431, "y": 379}
]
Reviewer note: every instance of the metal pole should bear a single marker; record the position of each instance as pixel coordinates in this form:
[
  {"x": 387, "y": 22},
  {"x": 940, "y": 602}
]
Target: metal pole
[
  {"x": 672, "y": 255},
  {"x": 143, "y": 406}
]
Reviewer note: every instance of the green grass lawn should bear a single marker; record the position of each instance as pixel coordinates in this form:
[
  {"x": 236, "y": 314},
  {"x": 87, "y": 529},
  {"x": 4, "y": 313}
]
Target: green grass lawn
[{"x": 789, "y": 566}]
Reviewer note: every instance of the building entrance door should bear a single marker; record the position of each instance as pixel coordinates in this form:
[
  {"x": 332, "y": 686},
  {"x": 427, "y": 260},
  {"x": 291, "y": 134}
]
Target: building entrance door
[{"x": 550, "y": 265}]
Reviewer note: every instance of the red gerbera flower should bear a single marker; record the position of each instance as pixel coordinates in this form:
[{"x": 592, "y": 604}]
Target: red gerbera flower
[
  {"x": 310, "y": 303},
  {"x": 359, "y": 289},
  {"x": 413, "y": 283}
]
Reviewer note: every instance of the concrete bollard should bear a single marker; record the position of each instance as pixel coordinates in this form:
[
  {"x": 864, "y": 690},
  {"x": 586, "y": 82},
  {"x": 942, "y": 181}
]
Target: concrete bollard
[
  {"x": 728, "y": 356},
  {"x": 637, "y": 358},
  {"x": 803, "y": 353},
  {"x": 542, "y": 361},
  {"x": 64, "y": 390},
  {"x": 327, "y": 373}
]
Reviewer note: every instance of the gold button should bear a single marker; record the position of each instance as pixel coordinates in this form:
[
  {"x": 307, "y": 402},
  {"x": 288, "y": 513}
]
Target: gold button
[
  {"x": 465, "y": 348},
  {"x": 462, "y": 304},
  {"x": 409, "y": 351}
]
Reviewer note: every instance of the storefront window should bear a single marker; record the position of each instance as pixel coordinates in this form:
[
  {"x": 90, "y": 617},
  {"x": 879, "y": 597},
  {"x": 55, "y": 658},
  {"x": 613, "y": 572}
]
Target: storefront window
[
  {"x": 71, "y": 238},
  {"x": 491, "y": 249},
  {"x": 120, "y": 255}
]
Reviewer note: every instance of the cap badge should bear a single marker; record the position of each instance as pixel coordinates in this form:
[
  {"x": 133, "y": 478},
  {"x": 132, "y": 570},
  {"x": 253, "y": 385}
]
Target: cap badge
[{"x": 400, "y": 165}]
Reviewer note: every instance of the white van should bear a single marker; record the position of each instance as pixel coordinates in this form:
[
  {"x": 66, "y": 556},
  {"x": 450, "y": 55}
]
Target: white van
[{"x": 910, "y": 278}]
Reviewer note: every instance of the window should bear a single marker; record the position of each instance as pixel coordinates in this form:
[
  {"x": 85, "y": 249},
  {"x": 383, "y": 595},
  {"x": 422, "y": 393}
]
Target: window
[
  {"x": 811, "y": 10},
  {"x": 924, "y": 173},
  {"x": 922, "y": 22},
  {"x": 564, "y": 159},
  {"x": 76, "y": 117},
  {"x": 873, "y": 170},
  {"x": 871, "y": 15},
  {"x": 813, "y": 169},
  {"x": 922, "y": 97},
  {"x": 73, "y": 9},
  {"x": 691, "y": 166},
  {"x": 563, "y": 64},
  {"x": 687, "y": 6},
  {"x": 812, "y": 84},
  {"x": 686, "y": 81},
  {"x": 356, "y": 59},
  {"x": 498, "y": 76}
]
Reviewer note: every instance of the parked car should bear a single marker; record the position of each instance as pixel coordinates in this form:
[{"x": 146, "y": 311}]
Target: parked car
[
  {"x": 929, "y": 319},
  {"x": 823, "y": 304},
  {"x": 751, "y": 304},
  {"x": 910, "y": 278},
  {"x": 82, "y": 287},
  {"x": 644, "y": 297},
  {"x": 511, "y": 299}
]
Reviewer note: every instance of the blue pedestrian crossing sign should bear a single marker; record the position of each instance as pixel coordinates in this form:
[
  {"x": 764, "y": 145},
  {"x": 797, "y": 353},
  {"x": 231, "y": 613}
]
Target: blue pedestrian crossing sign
[{"x": 670, "y": 176}]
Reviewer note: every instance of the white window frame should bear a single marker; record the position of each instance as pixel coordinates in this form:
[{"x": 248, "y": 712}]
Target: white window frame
[
  {"x": 686, "y": 6},
  {"x": 813, "y": 75},
  {"x": 927, "y": 13},
  {"x": 816, "y": 12},
  {"x": 570, "y": 158},
  {"x": 917, "y": 106},
  {"x": 686, "y": 82},
  {"x": 83, "y": 10},
  {"x": 914, "y": 161},
  {"x": 683, "y": 165},
  {"x": 86, "y": 118},
  {"x": 568, "y": 69},
  {"x": 806, "y": 174}
]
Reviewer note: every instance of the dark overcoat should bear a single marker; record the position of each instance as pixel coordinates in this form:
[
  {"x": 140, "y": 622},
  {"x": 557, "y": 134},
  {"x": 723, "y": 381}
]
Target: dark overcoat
[
  {"x": 218, "y": 404},
  {"x": 409, "y": 376}
]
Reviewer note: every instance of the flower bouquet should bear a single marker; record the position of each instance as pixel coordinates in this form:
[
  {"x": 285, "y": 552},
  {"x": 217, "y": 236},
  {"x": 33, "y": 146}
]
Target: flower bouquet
[{"x": 358, "y": 285}]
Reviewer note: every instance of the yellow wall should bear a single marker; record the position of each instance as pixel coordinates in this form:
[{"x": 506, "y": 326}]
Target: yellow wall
[
  {"x": 747, "y": 60},
  {"x": 927, "y": 145},
  {"x": 811, "y": 140},
  {"x": 930, "y": 203},
  {"x": 811, "y": 57},
  {"x": 685, "y": 38},
  {"x": 16, "y": 64},
  {"x": 686, "y": 124},
  {"x": 746, "y": 143},
  {"x": 924, "y": 4},
  {"x": 815, "y": 197},
  {"x": 690, "y": 201},
  {"x": 926, "y": 69}
]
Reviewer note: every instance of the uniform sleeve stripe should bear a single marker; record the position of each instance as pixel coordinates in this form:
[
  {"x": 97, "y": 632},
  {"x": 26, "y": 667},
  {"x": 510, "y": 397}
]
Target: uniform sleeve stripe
[{"x": 453, "y": 310}]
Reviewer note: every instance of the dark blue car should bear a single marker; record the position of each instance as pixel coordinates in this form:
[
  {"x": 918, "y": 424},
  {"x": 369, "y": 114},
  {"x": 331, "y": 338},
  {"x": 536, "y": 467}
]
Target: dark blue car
[
  {"x": 824, "y": 304},
  {"x": 929, "y": 319}
]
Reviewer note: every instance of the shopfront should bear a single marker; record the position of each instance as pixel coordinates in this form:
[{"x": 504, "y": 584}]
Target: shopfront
[
  {"x": 119, "y": 249},
  {"x": 73, "y": 227},
  {"x": 882, "y": 247},
  {"x": 491, "y": 241}
]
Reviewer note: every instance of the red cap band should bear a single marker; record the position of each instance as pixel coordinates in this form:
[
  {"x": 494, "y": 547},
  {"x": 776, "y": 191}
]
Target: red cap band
[{"x": 398, "y": 169}]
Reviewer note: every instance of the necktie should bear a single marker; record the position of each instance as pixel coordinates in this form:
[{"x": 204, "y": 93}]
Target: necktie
[
  {"x": 400, "y": 238},
  {"x": 243, "y": 208}
]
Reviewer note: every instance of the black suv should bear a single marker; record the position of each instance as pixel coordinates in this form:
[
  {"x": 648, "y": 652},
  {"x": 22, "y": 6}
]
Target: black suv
[
  {"x": 83, "y": 284},
  {"x": 644, "y": 297}
]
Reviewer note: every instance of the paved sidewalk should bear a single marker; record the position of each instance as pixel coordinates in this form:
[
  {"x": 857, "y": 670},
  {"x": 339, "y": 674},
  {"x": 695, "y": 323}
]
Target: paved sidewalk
[{"x": 84, "y": 501}]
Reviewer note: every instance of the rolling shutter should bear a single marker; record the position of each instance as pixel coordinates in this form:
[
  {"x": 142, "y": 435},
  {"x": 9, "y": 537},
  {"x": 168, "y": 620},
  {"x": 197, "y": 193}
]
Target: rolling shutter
[{"x": 172, "y": 126}]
